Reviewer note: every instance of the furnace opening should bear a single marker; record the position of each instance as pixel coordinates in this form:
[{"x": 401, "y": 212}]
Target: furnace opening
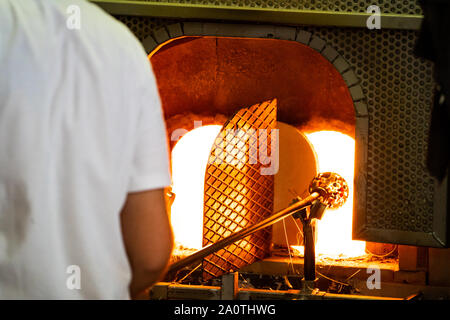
[{"x": 335, "y": 152}]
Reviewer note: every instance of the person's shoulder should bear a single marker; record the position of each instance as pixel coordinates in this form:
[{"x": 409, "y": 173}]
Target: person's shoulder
[
  {"x": 113, "y": 35},
  {"x": 84, "y": 23},
  {"x": 98, "y": 23}
]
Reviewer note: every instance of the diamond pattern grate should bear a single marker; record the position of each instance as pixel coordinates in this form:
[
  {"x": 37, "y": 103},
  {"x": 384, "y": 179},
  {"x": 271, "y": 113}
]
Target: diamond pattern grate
[{"x": 237, "y": 195}]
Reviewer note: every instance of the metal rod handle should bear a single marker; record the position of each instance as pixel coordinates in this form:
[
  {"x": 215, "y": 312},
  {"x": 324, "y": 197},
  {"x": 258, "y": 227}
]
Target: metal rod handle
[
  {"x": 280, "y": 215},
  {"x": 310, "y": 254}
]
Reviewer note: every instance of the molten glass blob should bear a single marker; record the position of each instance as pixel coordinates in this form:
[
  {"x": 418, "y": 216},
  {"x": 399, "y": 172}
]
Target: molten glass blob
[
  {"x": 332, "y": 187},
  {"x": 189, "y": 160},
  {"x": 336, "y": 153}
]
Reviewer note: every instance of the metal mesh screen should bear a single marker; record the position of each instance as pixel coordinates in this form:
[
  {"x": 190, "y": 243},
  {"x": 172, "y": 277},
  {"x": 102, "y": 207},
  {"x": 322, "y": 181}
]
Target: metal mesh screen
[
  {"x": 386, "y": 6},
  {"x": 143, "y": 26},
  {"x": 399, "y": 92},
  {"x": 237, "y": 194}
]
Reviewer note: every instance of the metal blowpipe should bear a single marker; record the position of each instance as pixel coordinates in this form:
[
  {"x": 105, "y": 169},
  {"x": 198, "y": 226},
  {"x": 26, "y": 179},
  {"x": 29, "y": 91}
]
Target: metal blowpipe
[{"x": 329, "y": 188}]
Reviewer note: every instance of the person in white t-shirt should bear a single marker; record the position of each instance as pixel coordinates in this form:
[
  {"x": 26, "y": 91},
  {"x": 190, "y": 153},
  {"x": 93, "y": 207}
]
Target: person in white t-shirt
[{"x": 83, "y": 156}]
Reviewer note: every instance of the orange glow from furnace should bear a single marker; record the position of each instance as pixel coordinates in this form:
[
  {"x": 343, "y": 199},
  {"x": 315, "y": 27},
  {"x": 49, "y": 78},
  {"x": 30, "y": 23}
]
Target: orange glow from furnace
[
  {"x": 189, "y": 160},
  {"x": 336, "y": 153}
]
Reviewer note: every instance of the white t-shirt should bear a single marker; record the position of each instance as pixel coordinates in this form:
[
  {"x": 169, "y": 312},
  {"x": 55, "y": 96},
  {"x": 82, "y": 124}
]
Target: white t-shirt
[{"x": 80, "y": 127}]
